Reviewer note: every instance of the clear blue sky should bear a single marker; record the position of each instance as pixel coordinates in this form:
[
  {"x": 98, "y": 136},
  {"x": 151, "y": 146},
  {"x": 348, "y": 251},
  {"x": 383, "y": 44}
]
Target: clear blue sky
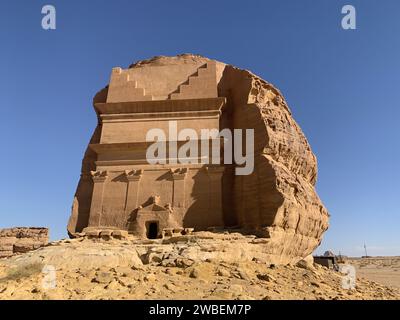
[{"x": 342, "y": 86}]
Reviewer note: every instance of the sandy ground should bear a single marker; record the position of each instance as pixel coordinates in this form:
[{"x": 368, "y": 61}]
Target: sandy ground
[
  {"x": 245, "y": 281},
  {"x": 118, "y": 276},
  {"x": 384, "y": 270}
]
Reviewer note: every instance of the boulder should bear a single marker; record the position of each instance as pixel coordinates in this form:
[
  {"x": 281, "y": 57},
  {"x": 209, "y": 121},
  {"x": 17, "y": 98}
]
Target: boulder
[
  {"x": 87, "y": 255},
  {"x": 276, "y": 201},
  {"x": 306, "y": 263}
]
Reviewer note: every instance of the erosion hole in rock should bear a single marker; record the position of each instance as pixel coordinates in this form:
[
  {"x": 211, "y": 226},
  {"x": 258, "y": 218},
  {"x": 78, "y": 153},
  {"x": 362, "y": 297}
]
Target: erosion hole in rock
[{"x": 152, "y": 229}]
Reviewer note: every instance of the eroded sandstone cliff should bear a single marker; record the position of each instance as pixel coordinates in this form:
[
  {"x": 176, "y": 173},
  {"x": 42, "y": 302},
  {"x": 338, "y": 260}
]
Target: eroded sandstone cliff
[{"x": 278, "y": 200}]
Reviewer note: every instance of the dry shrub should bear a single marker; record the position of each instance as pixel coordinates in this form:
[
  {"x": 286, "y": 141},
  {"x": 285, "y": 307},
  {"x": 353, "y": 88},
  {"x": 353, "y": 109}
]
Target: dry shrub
[{"x": 23, "y": 271}]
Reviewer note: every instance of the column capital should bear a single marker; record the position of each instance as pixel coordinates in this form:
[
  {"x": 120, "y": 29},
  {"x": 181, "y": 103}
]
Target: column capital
[
  {"x": 133, "y": 175},
  {"x": 179, "y": 173},
  {"x": 99, "y": 176}
]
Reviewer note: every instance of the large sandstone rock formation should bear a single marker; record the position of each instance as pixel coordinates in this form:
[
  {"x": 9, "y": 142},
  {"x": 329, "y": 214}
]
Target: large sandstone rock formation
[
  {"x": 277, "y": 201},
  {"x": 22, "y": 240}
]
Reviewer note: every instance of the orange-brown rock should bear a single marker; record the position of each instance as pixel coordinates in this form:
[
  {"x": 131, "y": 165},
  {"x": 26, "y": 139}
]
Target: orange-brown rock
[
  {"x": 21, "y": 240},
  {"x": 118, "y": 189}
]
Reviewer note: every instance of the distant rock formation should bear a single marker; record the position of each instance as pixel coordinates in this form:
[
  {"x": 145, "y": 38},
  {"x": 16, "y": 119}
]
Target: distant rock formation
[
  {"x": 22, "y": 240},
  {"x": 277, "y": 201}
]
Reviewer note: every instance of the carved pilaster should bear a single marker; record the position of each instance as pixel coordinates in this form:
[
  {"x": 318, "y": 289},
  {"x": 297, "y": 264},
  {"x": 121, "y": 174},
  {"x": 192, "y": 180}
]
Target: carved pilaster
[
  {"x": 179, "y": 175},
  {"x": 99, "y": 178},
  {"x": 132, "y": 192},
  {"x": 215, "y": 194}
]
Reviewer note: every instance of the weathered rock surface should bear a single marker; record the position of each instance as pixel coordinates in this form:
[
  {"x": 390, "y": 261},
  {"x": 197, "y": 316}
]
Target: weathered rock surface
[
  {"x": 181, "y": 252},
  {"x": 98, "y": 269},
  {"x": 278, "y": 200},
  {"x": 21, "y": 240}
]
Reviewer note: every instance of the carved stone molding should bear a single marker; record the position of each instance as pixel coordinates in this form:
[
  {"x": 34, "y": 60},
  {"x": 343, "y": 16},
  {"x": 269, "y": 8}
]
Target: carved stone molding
[
  {"x": 133, "y": 175},
  {"x": 99, "y": 176},
  {"x": 179, "y": 173},
  {"x": 155, "y": 199}
]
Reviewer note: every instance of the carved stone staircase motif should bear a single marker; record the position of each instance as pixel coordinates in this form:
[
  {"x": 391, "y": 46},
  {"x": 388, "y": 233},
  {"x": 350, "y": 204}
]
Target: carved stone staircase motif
[
  {"x": 202, "y": 84},
  {"x": 123, "y": 87}
]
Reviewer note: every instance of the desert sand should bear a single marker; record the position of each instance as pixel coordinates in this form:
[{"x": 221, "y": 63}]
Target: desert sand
[{"x": 385, "y": 270}]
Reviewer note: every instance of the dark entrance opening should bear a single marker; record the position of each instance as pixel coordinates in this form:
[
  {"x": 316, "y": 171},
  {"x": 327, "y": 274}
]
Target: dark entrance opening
[{"x": 152, "y": 230}]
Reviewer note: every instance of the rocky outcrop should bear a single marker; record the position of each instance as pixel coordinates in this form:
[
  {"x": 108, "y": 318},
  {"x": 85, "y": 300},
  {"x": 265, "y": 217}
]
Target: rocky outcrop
[
  {"x": 22, "y": 240},
  {"x": 278, "y": 200},
  {"x": 190, "y": 267}
]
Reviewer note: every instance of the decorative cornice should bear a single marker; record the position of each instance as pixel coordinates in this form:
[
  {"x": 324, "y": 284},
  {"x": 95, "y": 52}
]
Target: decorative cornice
[
  {"x": 161, "y": 106},
  {"x": 140, "y": 117}
]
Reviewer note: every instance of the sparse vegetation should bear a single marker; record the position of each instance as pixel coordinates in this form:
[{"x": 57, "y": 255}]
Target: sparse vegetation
[{"x": 23, "y": 271}]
